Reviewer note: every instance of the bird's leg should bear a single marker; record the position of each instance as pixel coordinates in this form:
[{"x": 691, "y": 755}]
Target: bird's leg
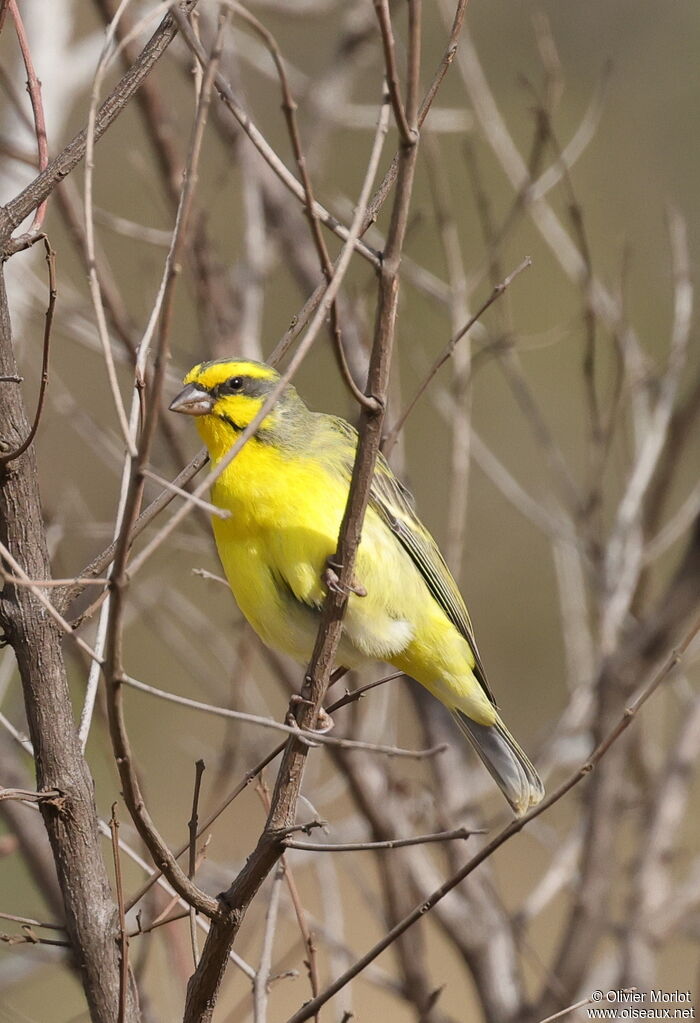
[{"x": 331, "y": 577}]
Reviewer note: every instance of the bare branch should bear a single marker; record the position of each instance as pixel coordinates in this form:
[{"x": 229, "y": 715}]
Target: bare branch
[
  {"x": 393, "y": 843},
  {"x": 34, "y": 89},
  {"x": 51, "y": 263}
]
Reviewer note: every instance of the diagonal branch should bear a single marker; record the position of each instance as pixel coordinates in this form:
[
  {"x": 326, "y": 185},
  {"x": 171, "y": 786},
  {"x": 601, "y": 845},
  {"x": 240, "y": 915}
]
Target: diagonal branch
[{"x": 12, "y": 215}]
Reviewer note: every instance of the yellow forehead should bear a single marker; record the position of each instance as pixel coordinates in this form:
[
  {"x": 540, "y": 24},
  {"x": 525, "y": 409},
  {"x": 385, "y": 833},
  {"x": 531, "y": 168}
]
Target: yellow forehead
[{"x": 209, "y": 374}]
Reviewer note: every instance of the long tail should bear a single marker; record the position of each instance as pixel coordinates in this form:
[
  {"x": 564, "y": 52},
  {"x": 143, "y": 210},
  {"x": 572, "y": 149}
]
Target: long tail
[{"x": 508, "y": 763}]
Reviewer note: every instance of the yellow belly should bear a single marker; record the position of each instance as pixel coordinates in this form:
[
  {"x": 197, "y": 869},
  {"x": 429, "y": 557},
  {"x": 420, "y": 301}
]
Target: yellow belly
[{"x": 274, "y": 549}]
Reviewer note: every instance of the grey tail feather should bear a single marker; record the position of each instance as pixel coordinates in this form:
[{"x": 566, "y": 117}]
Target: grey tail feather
[{"x": 508, "y": 763}]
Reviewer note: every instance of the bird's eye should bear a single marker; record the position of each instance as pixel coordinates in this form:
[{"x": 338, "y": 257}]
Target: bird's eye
[{"x": 234, "y": 384}]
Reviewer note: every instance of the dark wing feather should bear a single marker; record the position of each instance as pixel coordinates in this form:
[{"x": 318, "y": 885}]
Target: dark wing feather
[{"x": 394, "y": 504}]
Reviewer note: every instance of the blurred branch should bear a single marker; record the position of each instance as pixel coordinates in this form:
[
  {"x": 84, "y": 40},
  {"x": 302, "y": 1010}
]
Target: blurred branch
[
  {"x": 265, "y": 149},
  {"x": 671, "y": 622},
  {"x": 34, "y": 89},
  {"x": 503, "y": 836},
  {"x": 392, "y": 843},
  {"x": 448, "y": 352},
  {"x": 289, "y": 107}
]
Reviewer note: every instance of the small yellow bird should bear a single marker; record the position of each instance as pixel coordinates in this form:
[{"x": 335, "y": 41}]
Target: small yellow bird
[{"x": 286, "y": 491}]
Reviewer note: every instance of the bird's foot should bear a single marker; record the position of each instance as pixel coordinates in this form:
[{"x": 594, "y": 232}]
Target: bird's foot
[
  {"x": 296, "y": 700},
  {"x": 331, "y": 578},
  {"x": 324, "y": 722}
]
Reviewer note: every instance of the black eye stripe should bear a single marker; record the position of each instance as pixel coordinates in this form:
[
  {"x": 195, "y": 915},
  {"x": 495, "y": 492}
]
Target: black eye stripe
[
  {"x": 252, "y": 387},
  {"x": 233, "y": 386}
]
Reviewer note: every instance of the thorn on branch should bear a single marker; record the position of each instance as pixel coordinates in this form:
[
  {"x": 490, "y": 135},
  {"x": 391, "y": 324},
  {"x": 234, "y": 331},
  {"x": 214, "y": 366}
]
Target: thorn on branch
[{"x": 304, "y": 829}]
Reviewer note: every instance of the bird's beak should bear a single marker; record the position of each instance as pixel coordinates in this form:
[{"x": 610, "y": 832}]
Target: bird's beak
[{"x": 192, "y": 400}]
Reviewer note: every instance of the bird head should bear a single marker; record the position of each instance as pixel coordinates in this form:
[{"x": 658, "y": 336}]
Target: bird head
[{"x": 226, "y": 395}]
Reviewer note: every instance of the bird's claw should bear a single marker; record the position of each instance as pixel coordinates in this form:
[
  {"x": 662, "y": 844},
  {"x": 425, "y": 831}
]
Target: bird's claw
[
  {"x": 324, "y": 722},
  {"x": 331, "y": 578}
]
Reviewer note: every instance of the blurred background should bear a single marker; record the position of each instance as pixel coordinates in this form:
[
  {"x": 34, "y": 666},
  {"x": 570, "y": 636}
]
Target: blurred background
[{"x": 563, "y": 132}]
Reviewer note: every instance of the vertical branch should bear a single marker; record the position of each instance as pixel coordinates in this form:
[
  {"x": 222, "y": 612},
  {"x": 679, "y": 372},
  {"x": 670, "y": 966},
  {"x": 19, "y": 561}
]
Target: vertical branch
[
  {"x": 262, "y": 975},
  {"x": 34, "y": 88},
  {"x": 192, "y": 827},
  {"x": 123, "y": 933},
  {"x": 48, "y": 322},
  {"x": 460, "y": 448}
]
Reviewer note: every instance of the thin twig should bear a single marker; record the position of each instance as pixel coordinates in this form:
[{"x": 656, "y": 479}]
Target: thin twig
[
  {"x": 45, "y": 602},
  {"x": 192, "y": 828},
  {"x": 31, "y": 922},
  {"x": 306, "y": 934},
  {"x": 29, "y": 938},
  {"x": 568, "y": 1009},
  {"x": 30, "y": 795},
  {"x": 448, "y": 351},
  {"x": 48, "y": 321},
  {"x": 211, "y": 509},
  {"x": 308, "y": 735},
  {"x": 392, "y": 843},
  {"x": 262, "y": 976},
  {"x": 123, "y": 933},
  {"x": 289, "y": 107},
  {"x": 383, "y": 13},
  {"x": 34, "y": 89}
]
